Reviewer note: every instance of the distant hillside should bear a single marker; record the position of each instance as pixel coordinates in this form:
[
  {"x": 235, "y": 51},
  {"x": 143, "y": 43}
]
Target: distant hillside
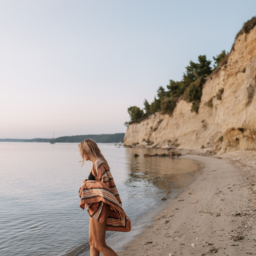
[
  {"x": 100, "y": 138},
  {"x": 25, "y": 140}
]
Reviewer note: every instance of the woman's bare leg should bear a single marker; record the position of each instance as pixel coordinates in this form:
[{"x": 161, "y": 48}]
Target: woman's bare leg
[
  {"x": 98, "y": 234},
  {"x": 93, "y": 250}
]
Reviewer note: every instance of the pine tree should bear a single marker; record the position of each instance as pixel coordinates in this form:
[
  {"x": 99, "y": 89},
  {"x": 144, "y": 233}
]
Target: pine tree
[
  {"x": 219, "y": 58},
  {"x": 135, "y": 113}
]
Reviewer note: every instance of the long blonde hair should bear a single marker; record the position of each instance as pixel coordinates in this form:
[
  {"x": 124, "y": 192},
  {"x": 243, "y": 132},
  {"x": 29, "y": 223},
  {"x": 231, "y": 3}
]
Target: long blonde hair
[{"x": 91, "y": 148}]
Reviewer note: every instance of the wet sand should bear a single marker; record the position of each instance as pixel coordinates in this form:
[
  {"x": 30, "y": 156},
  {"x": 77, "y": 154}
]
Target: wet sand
[{"x": 215, "y": 215}]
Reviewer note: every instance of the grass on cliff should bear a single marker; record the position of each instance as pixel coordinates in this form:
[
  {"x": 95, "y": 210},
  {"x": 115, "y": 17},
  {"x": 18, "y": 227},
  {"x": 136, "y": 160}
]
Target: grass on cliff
[{"x": 247, "y": 27}]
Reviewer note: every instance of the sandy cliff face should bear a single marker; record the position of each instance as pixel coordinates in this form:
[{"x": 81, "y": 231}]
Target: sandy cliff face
[{"x": 233, "y": 117}]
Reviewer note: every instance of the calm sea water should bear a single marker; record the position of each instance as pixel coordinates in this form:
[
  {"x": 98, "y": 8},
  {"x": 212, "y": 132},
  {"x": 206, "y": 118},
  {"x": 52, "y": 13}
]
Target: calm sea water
[{"x": 39, "y": 203}]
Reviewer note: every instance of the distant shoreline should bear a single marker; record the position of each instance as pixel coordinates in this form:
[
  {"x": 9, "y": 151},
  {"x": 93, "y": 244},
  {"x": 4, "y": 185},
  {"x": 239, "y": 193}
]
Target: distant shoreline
[{"x": 99, "y": 138}]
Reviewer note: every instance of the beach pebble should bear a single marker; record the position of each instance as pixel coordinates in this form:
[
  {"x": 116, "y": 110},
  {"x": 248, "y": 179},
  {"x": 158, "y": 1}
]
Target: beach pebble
[
  {"x": 237, "y": 238},
  {"x": 170, "y": 254},
  {"x": 163, "y": 199},
  {"x": 193, "y": 245}
]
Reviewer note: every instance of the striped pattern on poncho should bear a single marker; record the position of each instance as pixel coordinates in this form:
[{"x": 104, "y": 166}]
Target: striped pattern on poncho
[{"x": 96, "y": 195}]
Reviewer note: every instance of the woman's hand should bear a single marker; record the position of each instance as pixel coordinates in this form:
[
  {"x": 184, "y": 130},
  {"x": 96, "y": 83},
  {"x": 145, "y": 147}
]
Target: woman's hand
[{"x": 81, "y": 186}]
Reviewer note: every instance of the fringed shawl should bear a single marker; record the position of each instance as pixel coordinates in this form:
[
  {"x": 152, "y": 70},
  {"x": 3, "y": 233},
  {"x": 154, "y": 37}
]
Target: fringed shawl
[{"x": 95, "y": 195}]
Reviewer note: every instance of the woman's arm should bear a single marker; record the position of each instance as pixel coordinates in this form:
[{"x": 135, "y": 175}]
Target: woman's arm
[
  {"x": 102, "y": 174},
  {"x": 81, "y": 186}
]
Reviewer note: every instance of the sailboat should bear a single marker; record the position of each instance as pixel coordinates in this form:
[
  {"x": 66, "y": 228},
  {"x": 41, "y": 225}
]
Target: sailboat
[{"x": 53, "y": 140}]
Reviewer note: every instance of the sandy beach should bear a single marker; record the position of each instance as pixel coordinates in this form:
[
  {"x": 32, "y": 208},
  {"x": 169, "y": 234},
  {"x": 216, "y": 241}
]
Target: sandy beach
[{"x": 214, "y": 215}]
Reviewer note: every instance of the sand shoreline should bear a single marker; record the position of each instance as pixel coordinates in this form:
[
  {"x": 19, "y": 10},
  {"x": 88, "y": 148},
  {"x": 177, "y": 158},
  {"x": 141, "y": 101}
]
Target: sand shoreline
[{"x": 214, "y": 215}]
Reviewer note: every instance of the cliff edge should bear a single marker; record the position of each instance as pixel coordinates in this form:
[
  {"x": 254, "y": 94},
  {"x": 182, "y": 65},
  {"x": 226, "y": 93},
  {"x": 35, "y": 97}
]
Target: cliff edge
[{"x": 224, "y": 122}]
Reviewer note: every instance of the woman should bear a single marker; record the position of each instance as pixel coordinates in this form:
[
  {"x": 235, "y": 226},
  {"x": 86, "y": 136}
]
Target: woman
[{"x": 100, "y": 196}]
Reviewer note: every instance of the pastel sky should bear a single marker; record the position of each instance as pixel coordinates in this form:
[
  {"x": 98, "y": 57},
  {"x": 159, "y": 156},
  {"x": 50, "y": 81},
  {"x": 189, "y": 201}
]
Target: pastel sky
[{"x": 75, "y": 66}]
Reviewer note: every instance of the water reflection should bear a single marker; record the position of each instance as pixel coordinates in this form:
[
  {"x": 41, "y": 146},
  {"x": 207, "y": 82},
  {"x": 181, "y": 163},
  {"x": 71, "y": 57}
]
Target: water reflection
[
  {"x": 43, "y": 203},
  {"x": 163, "y": 172}
]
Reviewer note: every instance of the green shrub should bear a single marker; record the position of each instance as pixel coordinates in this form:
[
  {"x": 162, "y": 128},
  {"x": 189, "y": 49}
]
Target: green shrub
[
  {"x": 222, "y": 62},
  {"x": 220, "y": 139},
  {"x": 194, "y": 92},
  {"x": 219, "y": 94},
  {"x": 176, "y": 88},
  {"x": 149, "y": 142},
  {"x": 161, "y": 93},
  {"x": 146, "y": 107},
  {"x": 203, "y": 67},
  {"x": 209, "y": 103},
  {"x": 195, "y": 106},
  {"x": 155, "y": 106},
  {"x": 168, "y": 105},
  {"x": 247, "y": 27},
  {"x": 195, "y": 71},
  {"x": 136, "y": 115},
  {"x": 189, "y": 88},
  {"x": 219, "y": 58}
]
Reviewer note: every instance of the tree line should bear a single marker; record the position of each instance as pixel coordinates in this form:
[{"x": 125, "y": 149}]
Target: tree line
[
  {"x": 188, "y": 88},
  {"x": 99, "y": 138}
]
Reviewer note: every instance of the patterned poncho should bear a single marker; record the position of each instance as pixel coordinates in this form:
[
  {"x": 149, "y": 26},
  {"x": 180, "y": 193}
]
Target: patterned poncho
[{"x": 95, "y": 194}]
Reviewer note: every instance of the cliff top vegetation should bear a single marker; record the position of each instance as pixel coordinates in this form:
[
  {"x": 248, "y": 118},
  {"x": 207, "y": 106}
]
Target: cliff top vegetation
[
  {"x": 247, "y": 27},
  {"x": 189, "y": 88}
]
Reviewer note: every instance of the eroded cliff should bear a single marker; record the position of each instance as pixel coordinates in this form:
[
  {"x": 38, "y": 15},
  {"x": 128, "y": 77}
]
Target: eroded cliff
[{"x": 225, "y": 122}]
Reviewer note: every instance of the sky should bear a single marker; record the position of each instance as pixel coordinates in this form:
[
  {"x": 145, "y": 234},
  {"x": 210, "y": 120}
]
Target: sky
[{"x": 73, "y": 67}]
